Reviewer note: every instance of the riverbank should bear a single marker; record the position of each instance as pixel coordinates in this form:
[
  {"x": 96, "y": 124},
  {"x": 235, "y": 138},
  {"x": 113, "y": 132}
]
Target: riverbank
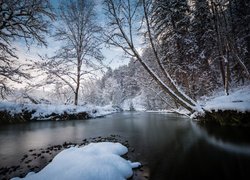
[
  {"x": 36, "y": 159},
  {"x": 226, "y": 118},
  {"x": 226, "y": 110},
  {"x": 17, "y": 113}
]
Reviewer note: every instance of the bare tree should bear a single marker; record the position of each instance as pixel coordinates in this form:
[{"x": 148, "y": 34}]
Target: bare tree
[
  {"x": 80, "y": 53},
  {"x": 20, "y": 20},
  {"x": 123, "y": 16}
]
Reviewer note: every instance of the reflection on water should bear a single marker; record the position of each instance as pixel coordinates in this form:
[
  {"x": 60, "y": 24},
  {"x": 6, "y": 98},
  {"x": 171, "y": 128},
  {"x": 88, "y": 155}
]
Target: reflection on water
[
  {"x": 227, "y": 143},
  {"x": 171, "y": 146}
]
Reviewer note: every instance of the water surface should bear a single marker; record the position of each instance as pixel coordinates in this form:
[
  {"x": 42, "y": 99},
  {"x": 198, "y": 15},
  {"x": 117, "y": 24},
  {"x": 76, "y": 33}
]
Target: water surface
[{"x": 170, "y": 146}]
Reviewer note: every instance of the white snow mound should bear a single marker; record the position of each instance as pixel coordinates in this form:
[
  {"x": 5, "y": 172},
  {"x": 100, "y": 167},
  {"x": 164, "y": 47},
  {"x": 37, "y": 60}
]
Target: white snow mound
[
  {"x": 96, "y": 161},
  {"x": 238, "y": 100}
]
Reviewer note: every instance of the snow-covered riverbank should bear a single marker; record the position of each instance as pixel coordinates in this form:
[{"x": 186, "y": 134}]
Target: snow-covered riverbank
[
  {"x": 238, "y": 100},
  {"x": 232, "y": 109},
  {"x": 25, "y": 112}
]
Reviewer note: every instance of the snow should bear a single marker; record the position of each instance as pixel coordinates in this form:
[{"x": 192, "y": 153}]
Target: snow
[
  {"x": 96, "y": 161},
  {"x": 42, "y": 110},
  {"x": 137, "y": 103},
  {"x": 238, "y": 100},
  {"x": 180, "y": 111},
  {"x": 103, "y": 110}
]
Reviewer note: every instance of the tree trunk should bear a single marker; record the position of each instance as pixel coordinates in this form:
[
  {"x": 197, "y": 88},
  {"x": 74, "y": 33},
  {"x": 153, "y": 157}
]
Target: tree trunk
[
  {"x": 227, "y": 75},
  {"x": 78, "y": 80},
  {"x": 183, "y": 103}
]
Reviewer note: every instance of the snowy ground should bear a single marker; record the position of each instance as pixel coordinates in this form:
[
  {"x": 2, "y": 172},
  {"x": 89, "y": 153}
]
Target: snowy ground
[
  {"x": 238, "y": 100},
  {"x": 96, "y": 161},
  {"x": 179, "y": 111},
  {"x": 42, "y": 110}
]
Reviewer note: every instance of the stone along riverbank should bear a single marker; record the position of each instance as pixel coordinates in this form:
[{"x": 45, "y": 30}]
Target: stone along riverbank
[{"x": 36, "y": 159}]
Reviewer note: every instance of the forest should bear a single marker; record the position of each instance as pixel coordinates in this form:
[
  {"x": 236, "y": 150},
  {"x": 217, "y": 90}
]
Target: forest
[{"x": 179, "y": 51}]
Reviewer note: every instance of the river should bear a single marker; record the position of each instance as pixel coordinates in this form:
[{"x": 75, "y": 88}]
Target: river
[{"x": 169, "y": 145}]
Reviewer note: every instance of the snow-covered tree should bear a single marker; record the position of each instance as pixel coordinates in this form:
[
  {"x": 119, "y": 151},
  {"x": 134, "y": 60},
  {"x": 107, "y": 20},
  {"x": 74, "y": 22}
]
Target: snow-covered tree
[
  {"x": 79, "y": 54},
  {"x": 124, "y": 27},
  {"x": 186, "y": 42},
  {"x": 239, "y": 20}
]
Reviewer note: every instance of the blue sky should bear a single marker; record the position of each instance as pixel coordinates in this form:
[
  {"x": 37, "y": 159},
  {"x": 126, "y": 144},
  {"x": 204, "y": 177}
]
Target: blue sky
[{"x": 114, "y": 57}]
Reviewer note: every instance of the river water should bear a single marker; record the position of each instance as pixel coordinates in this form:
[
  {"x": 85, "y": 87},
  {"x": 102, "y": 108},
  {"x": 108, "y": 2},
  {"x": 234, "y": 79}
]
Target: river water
[{"x": 170, "y": 146}]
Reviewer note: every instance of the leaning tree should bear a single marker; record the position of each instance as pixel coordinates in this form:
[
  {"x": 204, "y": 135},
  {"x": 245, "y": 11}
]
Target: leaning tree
[
  {"x": 180, "y": 37},
  {"x": 129, "y": 20}
]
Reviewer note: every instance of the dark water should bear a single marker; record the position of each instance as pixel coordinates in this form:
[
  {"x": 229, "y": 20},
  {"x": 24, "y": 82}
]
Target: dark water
[{"x": 171, "y": 146}]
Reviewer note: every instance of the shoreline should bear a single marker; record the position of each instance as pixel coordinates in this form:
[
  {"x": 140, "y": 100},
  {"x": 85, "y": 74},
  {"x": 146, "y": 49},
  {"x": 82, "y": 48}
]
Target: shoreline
[
  {"x": 36, "y": 159},
  {"x": 11, "y": 113},
  {"x": 225, "y": 118}
]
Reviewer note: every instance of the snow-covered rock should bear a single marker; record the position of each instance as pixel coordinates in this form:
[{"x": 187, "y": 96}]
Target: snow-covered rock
[{"x": 96, "y": 161}]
